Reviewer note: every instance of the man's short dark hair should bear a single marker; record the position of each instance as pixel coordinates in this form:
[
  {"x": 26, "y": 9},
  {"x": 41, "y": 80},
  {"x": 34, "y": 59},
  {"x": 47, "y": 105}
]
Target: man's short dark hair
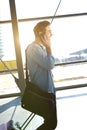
[{"x": 40, "y": 27}]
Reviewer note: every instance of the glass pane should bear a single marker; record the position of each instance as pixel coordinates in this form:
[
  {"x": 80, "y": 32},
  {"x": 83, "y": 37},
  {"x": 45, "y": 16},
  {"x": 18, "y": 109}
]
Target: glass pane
[
  {"x": 72, "y": 6},
  {"x": 7, "y": 41},
  {"x": 35, "y": 8},
  {"x": 69, "y": 38},
  {"x": 40, "y": 8},
  {"x": 4, "y": 10},
  {"x": 70, "y": 74}
]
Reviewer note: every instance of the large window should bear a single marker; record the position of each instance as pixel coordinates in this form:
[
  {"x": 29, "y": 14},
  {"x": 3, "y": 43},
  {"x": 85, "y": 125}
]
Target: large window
[{"x": 68, "y": 40}]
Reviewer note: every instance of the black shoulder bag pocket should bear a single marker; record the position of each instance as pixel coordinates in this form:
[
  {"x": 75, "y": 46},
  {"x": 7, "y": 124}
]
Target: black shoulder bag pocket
[{"x": 35, "y": 99}]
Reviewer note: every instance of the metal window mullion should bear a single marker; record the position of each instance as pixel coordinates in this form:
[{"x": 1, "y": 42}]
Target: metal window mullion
[{"x": 17, "y": 44}]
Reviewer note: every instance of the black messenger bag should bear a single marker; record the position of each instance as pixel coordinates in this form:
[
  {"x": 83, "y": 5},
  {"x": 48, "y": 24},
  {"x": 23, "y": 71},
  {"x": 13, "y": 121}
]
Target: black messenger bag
[{"x": 36, "y": 100}]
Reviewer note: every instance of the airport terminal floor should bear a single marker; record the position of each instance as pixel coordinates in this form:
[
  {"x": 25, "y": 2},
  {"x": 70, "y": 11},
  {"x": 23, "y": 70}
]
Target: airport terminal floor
[{"x": 71, "y": 107}]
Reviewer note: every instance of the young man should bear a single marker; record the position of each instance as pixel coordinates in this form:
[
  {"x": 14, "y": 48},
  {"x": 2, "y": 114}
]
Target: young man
[{"x": 40, "y": 64}]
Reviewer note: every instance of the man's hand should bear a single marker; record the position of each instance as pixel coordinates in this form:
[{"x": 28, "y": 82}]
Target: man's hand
[{"x": 46, "y": 41}]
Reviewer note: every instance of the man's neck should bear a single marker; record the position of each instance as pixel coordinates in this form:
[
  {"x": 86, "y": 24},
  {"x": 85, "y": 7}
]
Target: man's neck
[{"x": 38, "y": 41}]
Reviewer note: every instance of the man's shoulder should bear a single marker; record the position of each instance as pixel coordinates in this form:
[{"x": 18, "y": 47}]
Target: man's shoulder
[{"x": 29, "y": 46}]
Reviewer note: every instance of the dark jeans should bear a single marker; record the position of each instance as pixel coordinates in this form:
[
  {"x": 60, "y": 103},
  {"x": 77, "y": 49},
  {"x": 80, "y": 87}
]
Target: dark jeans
[{"x": 50, "y": 119}]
